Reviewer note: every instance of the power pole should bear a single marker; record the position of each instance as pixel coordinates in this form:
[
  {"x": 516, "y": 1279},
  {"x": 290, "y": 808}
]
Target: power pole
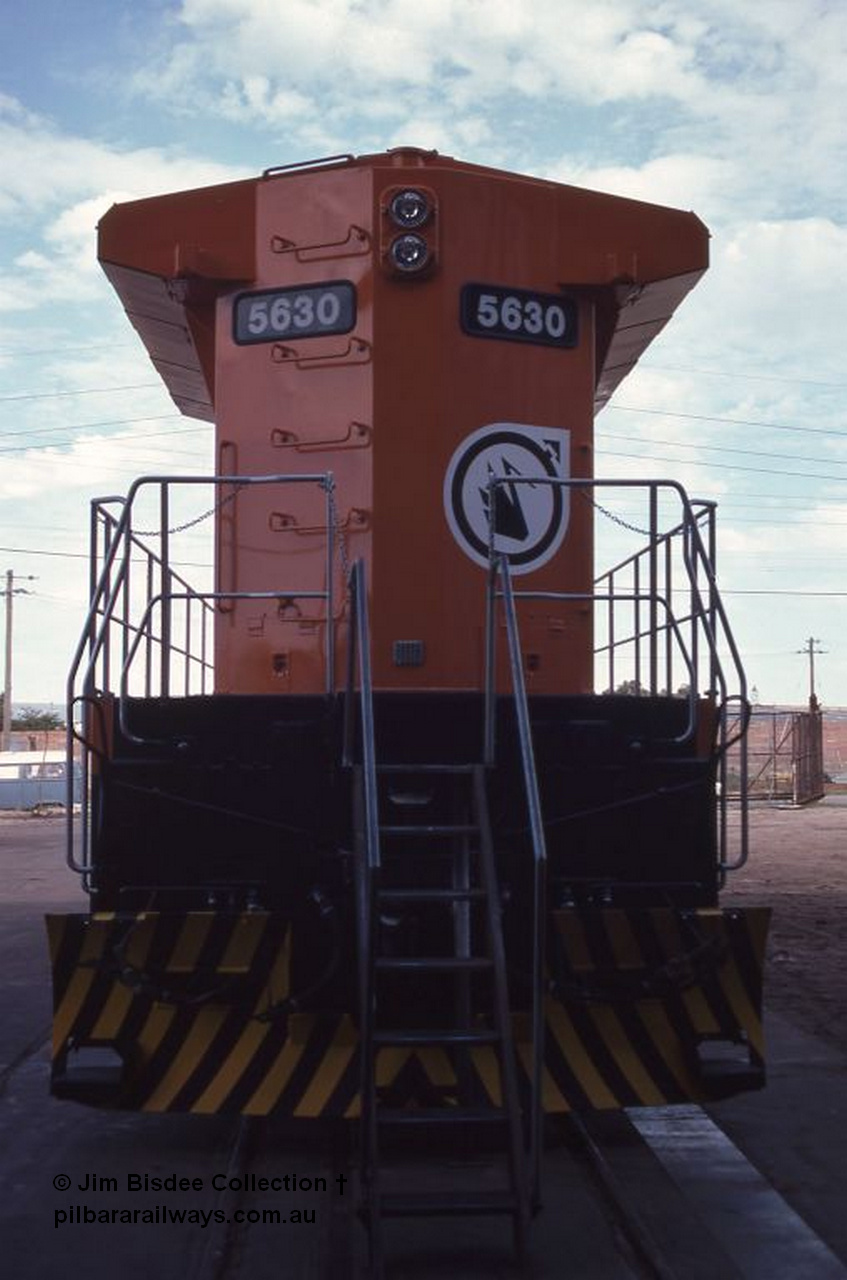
[
  {"x": 11, "y": 590},
  {"x": 811, "y": 652},
  {"x": 7, "y": 687}
]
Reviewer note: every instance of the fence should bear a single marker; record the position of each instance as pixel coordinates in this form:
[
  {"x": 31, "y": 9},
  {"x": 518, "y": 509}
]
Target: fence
[{"x": 785, "y": 757}]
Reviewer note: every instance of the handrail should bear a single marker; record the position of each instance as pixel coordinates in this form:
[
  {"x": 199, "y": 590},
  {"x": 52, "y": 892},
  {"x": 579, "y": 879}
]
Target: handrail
[
  {"x": 367, "y": 855},
  {"x": 500, "y": 565},
  {"x": 706, "y": 617},
  {"x": 522, "y": 712},
  {"x": 672, "y": 625},
  {"x": 695, "y": 555},
  {"x": 105, "y": 601},
  {"x": 110, "y": 594},
  {"x": 140, "y": 633},
  {"x": 158, "y": 566},
  {"x": 360, "y": 647}
]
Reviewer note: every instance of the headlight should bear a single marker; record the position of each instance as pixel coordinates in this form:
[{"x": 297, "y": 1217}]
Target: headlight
[
  {"x": 409, "y": 253},
  {"x": 409, "y": 208}
]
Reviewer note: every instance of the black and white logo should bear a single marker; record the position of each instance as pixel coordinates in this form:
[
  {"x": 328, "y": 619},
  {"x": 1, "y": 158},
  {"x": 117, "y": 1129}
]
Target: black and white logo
[{"x": 530, "y": 519}]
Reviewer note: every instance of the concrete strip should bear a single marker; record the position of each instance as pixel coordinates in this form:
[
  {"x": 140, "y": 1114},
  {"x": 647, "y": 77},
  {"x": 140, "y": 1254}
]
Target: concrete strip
[{"x": 758, "y": 1229}]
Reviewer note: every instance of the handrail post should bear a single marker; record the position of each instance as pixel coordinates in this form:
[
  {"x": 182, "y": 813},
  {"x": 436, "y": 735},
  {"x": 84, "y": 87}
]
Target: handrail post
[
  {"x": 360, "y": 644},
  {"x": 329, "y": 506},
  {"x": 652, "y": 552},
  {"x": 694, "y": 594},
  {"x": 610, "y": 638},
  {"x": 106, "y": 647},
  {"x": 713, "y": 565},
  {"x": 669, "y": 651},
  {"x": 539, "y": 846},
  {"x": 366, "y": 693},
  {"x": 636, "y": 613},
  {"x": 165, "y": 574},
  {"x": 489, "y": 729},
  {"x": 367, "y": 864},
  {"x": 349, "y": 719}
]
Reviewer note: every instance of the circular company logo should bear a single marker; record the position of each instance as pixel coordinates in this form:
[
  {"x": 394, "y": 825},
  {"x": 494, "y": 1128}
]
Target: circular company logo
[{"x": 530, "y": 519}]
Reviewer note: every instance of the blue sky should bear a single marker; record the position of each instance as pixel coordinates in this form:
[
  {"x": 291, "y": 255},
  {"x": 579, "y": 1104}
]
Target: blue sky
[{"x": 733, "y": 110}]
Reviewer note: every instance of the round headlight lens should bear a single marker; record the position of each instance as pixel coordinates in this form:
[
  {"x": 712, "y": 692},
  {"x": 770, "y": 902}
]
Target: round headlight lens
[
  {"x": 410, "y": 208},
  {"x": 409, "y": 253}
]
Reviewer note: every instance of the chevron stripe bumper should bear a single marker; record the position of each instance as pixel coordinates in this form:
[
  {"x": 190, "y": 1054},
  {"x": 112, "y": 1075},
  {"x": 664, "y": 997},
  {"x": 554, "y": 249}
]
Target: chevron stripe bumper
[
  {"x": 654, "y": 1006},
  {"x": 188, "y": 1012},
  {"x": 189, "y": 1006}
]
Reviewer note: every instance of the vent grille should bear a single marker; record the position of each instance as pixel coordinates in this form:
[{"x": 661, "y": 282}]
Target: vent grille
[{"x": 408, "y": 653}]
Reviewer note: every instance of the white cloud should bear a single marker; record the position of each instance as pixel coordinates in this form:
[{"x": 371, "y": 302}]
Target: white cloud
[
  {"x": 94, "y": 461},
  {"x": 753, "y": 93},
  {"x": 45, "y": 167},
  {"x": 777, "y": 296},
  {"x": 464, "y": 47},
  {"x": 44, "y": 509},
  {"x": 56, "y": 186},
  {"x": 687, "y": 180},
  {"x": 255, "y": 98},
  {"x": 735, "y": 111}
]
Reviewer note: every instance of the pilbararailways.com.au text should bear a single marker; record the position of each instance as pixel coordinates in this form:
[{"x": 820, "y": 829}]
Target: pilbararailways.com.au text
[{"x": 84, "y": 1215}]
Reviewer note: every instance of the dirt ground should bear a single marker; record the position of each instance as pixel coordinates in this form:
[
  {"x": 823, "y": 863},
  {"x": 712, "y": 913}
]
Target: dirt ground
[{"x": 798, "y": 867}]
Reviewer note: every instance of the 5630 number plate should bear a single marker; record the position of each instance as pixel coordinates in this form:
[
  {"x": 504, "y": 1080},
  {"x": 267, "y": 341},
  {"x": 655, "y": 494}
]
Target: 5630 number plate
[
  {"x": 306, "y": 311},
  {"x": 519, "y": 315}
]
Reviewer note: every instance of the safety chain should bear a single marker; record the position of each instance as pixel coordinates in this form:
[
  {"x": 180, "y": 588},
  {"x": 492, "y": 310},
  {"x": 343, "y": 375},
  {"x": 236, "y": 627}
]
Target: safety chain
[
  {"x": 339, "y": 532},
  {"x": 610, "y": 515},
  {"x": 189, "y": 524},
  {"x": 338, "y": 529}
]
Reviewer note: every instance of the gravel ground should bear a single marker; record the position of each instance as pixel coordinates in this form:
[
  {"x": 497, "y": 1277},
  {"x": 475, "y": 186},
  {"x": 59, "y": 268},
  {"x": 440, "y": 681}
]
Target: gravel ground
[{"x": 798, "y": 867}]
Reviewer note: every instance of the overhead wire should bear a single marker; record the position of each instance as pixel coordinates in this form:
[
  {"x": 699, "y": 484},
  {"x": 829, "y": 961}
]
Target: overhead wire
[
  {"x": 83, "y": 555},
  {"x": 127, "y": 440},
  {"x": 734, "y": 422},
  {"x": 89, "y": 426},
  {"x": 152, "y": 435},
  {"x": 84, "y": 391},
  {"x": 726, "y": 448},
  {"x": 726, "y": 466},
  {"x": 13, "y": 352},
  {"x": 754, "y": 377},
  {"x": 761, "y": 520}
]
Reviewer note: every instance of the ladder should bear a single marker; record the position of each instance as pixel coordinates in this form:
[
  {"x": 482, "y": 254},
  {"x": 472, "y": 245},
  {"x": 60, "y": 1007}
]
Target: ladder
[{"x": 436, "y": 960}]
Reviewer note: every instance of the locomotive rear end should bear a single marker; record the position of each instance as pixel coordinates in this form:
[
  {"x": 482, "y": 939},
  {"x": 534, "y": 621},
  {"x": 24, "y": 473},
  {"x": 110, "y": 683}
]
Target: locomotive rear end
[{"x": 382, "y": 751}]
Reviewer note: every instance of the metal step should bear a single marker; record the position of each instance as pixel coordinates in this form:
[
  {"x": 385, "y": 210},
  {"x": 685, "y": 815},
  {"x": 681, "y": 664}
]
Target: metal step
[
  {"x": 430, "y": 895},
  {"x": 442, "y": 1117},
  {"x": 409, "y": 799},
  {"x": 434, "y": 964},
  {"x": 433, "y": 829},
  {"x": 434, "y": 1036},
  {"x": 425, "y": 768},
  {"x": 448, "y": 1205},
  {"x": 458, "y": 827}
]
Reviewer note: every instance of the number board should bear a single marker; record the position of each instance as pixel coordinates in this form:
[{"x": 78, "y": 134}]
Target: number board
[
  {"x": 519, "y": 315},
  {"x": 305, "y": 311}
]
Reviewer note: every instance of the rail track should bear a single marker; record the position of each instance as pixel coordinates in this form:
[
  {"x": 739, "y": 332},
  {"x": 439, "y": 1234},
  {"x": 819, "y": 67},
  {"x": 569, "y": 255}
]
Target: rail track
[
  {"x": 628, "y": 1196},
  {"x": 642, "y": 1195},
  {"x": 30, "y": 1050},
  {"x": 690, "y": 1203},
  {"x": 678, "y": 1199}
]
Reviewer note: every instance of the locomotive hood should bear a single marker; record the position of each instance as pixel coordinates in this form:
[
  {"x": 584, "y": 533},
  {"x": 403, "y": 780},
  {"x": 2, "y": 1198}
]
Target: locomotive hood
[{"x": 171, "y": 257}]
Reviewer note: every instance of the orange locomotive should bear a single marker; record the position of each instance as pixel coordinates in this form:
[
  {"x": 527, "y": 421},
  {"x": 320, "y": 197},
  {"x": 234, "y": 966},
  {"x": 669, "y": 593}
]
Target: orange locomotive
[{"x": 364, "y": 776}]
